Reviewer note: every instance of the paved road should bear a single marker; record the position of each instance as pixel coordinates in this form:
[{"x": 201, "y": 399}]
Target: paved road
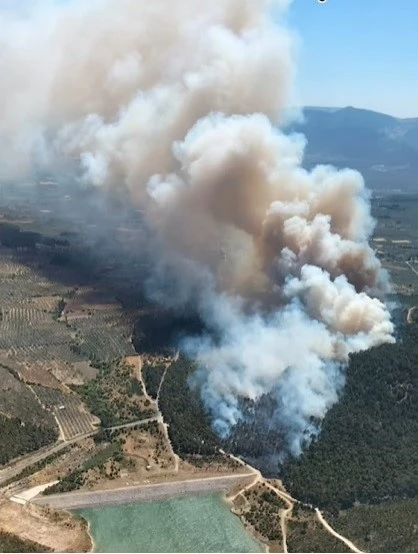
[
  {"x": 20, "y": 465},
  {"x": 157, "y": 418},
  {"x": 13, "y": 470},
  {"x": 141, "y": 493}
]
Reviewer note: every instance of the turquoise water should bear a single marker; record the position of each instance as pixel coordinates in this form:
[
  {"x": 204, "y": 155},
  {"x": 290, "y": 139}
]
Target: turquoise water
[{"x": 191, "y": 524}]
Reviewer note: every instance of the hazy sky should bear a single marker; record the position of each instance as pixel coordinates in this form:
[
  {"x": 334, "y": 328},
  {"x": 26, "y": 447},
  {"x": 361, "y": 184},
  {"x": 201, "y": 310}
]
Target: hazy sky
[{"x": 362, "y": 53}]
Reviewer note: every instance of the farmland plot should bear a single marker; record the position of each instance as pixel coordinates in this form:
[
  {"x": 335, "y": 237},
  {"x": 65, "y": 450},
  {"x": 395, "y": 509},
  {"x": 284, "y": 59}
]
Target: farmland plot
[
  {"x": 104, "y": 335},
  {"x": 72, "y": 415},
  {"x": 37, "y": 374}
]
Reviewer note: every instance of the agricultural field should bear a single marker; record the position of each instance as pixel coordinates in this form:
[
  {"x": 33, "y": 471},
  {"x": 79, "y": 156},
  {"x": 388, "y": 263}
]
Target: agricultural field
[
  {"x": 395, "y": 239},
  {"x": 24, "y": 424},
  {"x": 54, "y": 330},
  {"x": 102, "y": 328},
  {"x": 18, "y": 401},
  {"x": 72, "y": 415}
]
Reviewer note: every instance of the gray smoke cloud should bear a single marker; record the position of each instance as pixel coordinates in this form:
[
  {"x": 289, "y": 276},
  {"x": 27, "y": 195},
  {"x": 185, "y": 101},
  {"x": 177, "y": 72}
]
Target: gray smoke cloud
[{"x": 177, "y": 103}]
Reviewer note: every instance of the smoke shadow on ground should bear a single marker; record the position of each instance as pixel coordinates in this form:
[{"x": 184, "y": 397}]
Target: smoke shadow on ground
[{"x": 161, "y": 332}]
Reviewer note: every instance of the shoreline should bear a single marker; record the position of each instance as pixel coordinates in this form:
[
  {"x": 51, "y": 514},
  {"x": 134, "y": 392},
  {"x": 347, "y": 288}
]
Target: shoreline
[
  {"x": 138, "y": 494},
  {"x": 223, "y": 496},
  {"x": 248, "y": 528},
  {"x": 93, "y": 545}
]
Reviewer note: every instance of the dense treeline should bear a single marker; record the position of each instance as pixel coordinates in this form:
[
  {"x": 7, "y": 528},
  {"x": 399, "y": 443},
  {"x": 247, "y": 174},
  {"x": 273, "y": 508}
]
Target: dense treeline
[
  {"x": 367, "y": 450},
  {"x": 152, "y": 376},
  {"x": 12, "y": 236},
  {"x": 12, "y": 543},
  {"x": 189, "y": 427},
  {"x": 18, "y": 437},
  {"x": 306, "y": 534},
  {"x": 388, "y": 527}
]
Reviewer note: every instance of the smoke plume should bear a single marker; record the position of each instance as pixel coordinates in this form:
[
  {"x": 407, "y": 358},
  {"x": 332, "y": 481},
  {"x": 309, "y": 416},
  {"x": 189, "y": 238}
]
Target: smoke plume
[{"x": 178, "y": 103}]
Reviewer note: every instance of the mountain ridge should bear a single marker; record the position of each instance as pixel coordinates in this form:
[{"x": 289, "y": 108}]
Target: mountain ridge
[{"x": 382, "y": 147}]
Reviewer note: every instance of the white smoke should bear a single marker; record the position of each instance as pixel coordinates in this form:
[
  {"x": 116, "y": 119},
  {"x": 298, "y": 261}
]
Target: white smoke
[{"x": 177, "y": 103}]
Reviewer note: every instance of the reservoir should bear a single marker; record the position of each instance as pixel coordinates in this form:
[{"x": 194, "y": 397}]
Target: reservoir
[{"x": 188, "y": 524}]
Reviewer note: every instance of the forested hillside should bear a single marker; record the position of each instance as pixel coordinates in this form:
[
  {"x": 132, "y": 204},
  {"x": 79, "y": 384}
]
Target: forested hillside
[
  {"x": 189, "y": 426},
  {"x": 367, "y": 450},
  {"x": 382, "y": 147}
]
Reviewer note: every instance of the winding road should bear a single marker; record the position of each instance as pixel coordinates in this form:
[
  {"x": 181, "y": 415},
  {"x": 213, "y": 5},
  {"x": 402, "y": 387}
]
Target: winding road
[
  {"x": 72, "y": 500},
  {"x": 31, "y": 459},
  {"x": 290, "y": 502},
  {"x": 328, "y": 527}
]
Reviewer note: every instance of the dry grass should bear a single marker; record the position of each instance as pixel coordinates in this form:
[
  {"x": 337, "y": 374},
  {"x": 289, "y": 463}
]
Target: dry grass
[{"x": 60, "y": 531}]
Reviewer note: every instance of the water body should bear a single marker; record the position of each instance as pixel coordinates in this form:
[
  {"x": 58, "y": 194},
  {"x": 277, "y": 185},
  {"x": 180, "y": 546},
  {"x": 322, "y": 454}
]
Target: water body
[{"x": 191, "y": 524}]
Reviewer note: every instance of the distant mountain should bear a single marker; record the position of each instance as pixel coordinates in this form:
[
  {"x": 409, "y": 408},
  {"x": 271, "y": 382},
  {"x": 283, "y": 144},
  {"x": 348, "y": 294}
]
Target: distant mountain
[{"x": 382, "y": 147}]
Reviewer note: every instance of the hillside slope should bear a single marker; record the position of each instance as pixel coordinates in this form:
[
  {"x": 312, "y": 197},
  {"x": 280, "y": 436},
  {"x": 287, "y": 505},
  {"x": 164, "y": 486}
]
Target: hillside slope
[{"x": 383, "y": 148}]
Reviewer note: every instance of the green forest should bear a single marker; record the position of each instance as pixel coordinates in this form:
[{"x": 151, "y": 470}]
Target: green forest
[
  {"x": 152, "y": 377},
  {"x": 189, "y": 427},
  {"x": 367, "y": 449},
  {"x": 18, "y": 437}
]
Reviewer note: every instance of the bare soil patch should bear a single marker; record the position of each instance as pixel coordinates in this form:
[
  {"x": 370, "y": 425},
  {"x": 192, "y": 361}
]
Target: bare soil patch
[{"x": 60, "y": 531}]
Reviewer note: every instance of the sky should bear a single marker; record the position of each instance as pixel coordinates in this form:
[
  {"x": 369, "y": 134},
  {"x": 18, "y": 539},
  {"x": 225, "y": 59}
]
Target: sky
[{"x": 361, "y": 53}]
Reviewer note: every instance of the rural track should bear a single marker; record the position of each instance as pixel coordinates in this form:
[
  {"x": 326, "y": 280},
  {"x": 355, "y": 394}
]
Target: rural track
[
  {"x": 290, "y": 502},
  {"x": 409, "y": 318},
  {"x": 13, "y": 470},
  {"x": 411, "y": 268},
  {"x": 284, "y": 514},
  {"x": 328, "y": 527},
  {"x": 21, "y": 464},
  {"x": 177, "y": 487},
  {"x": 176, "y": 457},
  {"x": 141, "y": 379},
  {"x": 156, "y": 418}
]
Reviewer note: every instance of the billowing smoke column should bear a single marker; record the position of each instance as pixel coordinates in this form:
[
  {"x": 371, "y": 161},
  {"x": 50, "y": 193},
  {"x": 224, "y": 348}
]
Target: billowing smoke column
[{"x": 177, "y": 102}]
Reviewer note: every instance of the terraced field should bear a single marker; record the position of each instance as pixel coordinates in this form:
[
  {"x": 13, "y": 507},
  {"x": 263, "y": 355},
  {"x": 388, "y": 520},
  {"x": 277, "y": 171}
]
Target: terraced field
[
  {"x": 37, "y": 374},
  {"x": 73, "y": 417},
  {"x": 54, "y": 330},
  {"x": 103, "y": 329}
]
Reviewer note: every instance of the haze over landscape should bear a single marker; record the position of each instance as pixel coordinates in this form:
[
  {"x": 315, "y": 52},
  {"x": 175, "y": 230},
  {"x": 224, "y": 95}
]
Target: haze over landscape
[
  {"x": 198, "y": 150},
  {"x": 198, "y": 294}
]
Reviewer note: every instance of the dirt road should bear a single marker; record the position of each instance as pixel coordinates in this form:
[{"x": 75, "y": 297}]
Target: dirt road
[
  {"x": 409, "y": 318},
  {"x": 412, "y": 268},
  {"x": 328, "y": 527},
  {"x": 15, "y": 468},
  {"x": 142, "y": 493},
  {"x": 290, "y": 502},
  {"x": 175, "y": 456}
]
